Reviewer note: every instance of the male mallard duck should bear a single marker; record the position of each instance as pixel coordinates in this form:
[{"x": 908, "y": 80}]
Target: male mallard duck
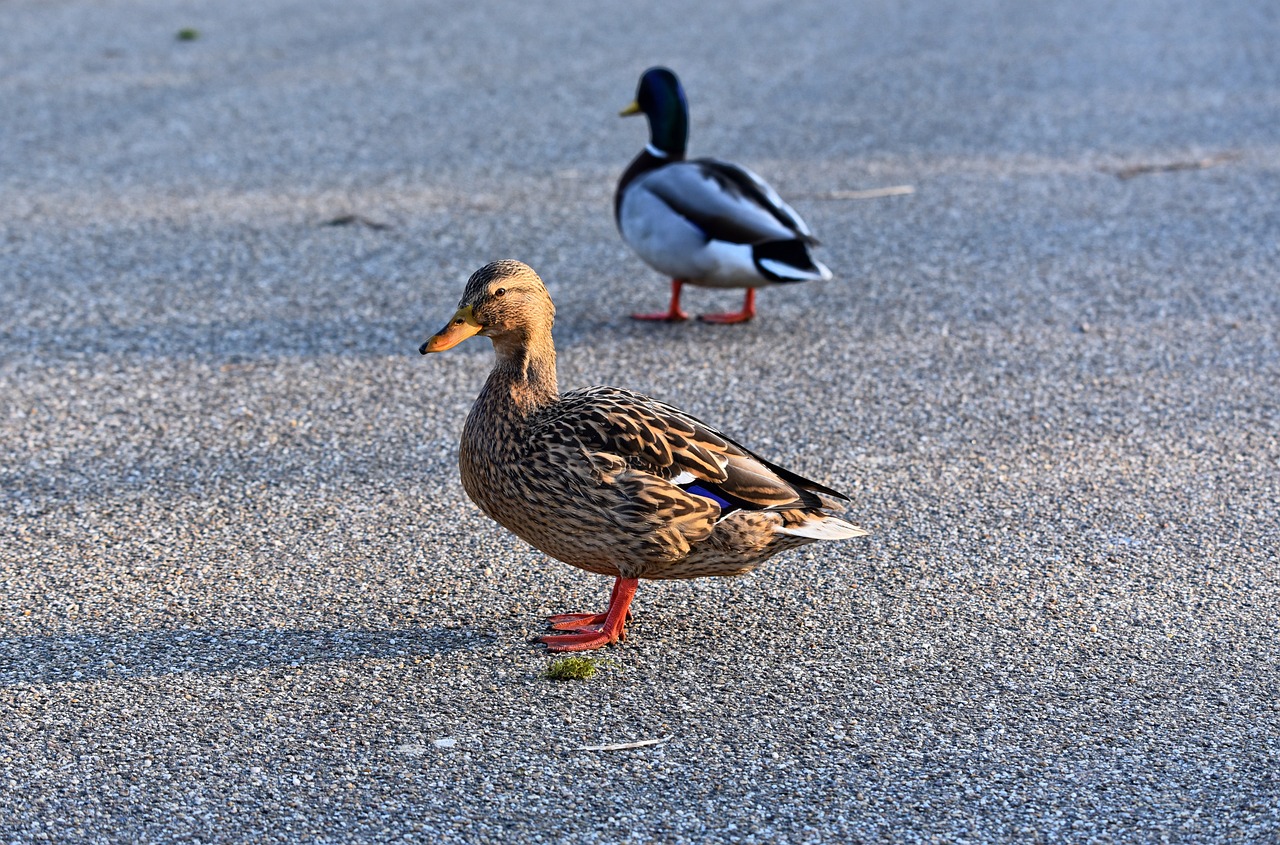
[
  {"x": 704, "y": 222},
  {"x": 608, "y": 480}
]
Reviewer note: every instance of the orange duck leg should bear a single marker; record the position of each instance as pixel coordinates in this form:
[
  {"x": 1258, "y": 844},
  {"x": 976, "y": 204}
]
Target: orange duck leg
[
  {"x": 594, "y": 630},
  {"x": 673, "y": 314},
  {"x": 580, "y": 621},
  {"x": 748, "y": 311}
]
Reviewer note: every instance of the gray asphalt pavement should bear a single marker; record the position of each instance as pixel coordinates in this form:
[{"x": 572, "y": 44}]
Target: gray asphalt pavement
[{"x": 245, "y": 599}]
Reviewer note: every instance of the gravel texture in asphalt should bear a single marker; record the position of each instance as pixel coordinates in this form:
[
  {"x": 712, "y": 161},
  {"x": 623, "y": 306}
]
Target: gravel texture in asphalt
[{"x": 246, "y": 599}]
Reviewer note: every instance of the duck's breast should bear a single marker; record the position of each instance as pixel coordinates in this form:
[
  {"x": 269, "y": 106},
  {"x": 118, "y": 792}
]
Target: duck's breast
[{"x": 665, "y": 240}]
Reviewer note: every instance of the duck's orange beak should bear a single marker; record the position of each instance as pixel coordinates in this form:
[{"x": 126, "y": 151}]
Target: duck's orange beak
[
  {"x": 633, "y": 108},
  {"x": 463, "y": 325}
]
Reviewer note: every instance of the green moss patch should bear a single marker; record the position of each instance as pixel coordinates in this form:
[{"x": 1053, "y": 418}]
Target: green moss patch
[{"x": 571, "y": 669}]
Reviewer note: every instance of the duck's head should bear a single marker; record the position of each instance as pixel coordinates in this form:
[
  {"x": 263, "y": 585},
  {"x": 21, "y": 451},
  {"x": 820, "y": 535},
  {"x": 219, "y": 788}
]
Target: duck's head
[
  {"x": 660, "y": 98},
  {"x": 505, "y": 301}
]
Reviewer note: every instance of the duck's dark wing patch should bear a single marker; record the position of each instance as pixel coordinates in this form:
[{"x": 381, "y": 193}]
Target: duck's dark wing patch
[
  {"x": 736, "y": 178},
  {"x": 726, "y": 202}
]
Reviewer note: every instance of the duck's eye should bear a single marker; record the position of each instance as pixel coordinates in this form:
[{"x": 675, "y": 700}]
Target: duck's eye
[{"x": 500, "y": 292}]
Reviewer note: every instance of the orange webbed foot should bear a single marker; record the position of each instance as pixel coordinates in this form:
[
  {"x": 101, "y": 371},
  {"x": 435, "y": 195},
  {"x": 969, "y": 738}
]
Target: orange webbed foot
[
  {"x": 662, "y": 317},
  {"x": 583, "y": 640},
  {"x": 674, "y": 313},
  {"x": 726, "y": 319},
  {"x": 748, "y": 311},
  {"x": 579, "y": 621},
  {"x": 594, "y": 630}
]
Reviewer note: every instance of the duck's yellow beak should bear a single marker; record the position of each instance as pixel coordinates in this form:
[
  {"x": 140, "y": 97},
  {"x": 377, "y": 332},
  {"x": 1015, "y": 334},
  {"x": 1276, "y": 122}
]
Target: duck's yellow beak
[
  {"x": 463, "y": 325},
  {"x": 634, "y": 108}
]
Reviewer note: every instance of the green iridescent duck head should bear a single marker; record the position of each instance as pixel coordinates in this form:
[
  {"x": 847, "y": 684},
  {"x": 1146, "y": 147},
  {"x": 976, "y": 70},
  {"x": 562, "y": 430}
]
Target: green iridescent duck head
[{"x": 660, "y": 98}]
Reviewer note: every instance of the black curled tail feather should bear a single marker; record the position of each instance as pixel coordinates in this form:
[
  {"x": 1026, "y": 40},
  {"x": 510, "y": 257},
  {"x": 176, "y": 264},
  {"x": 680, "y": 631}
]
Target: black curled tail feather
[{"x": 787, "y": 261}]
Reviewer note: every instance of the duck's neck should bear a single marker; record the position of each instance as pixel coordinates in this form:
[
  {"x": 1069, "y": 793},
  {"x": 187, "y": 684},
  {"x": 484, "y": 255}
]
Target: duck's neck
[
  {"x": 523, "y": 379},
  {"x": 650, "y": 158},
  {"x": 669, "y": 126}
]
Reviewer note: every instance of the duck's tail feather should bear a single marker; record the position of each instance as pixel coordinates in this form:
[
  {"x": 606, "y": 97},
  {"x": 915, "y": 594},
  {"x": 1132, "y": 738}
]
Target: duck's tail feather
[
  {"x": 788, "y": 261},
  {"x": 823, "y": 528}
]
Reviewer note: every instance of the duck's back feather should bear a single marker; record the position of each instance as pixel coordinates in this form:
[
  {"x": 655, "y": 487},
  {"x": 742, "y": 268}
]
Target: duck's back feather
[{"x": 725, "y": 201}]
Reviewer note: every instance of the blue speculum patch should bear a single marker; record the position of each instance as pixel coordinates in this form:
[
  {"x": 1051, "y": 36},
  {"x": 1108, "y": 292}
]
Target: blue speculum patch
[{"x": 699, "y": 490}]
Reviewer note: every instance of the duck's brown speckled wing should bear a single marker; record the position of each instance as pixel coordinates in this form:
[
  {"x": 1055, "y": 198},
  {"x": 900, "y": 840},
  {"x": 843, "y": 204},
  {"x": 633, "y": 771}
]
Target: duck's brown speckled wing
[{"x": 650, "y": 437}]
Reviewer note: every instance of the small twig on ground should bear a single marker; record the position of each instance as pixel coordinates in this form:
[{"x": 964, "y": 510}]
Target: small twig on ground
[
  {"x": 624, "y": 746},
  {"x": 868, "y": 194},
  {"x": 354, "y": 220},
  {"x": 1191, "y": 164}
]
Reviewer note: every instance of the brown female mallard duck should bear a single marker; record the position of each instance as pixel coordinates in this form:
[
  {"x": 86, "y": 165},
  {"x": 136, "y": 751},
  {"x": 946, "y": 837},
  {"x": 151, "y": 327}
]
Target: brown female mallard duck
[{"x": 608, "y": 480}]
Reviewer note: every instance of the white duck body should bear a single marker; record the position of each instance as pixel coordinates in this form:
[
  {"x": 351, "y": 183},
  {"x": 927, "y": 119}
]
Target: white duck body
[{"x": 712, "y": 223}]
